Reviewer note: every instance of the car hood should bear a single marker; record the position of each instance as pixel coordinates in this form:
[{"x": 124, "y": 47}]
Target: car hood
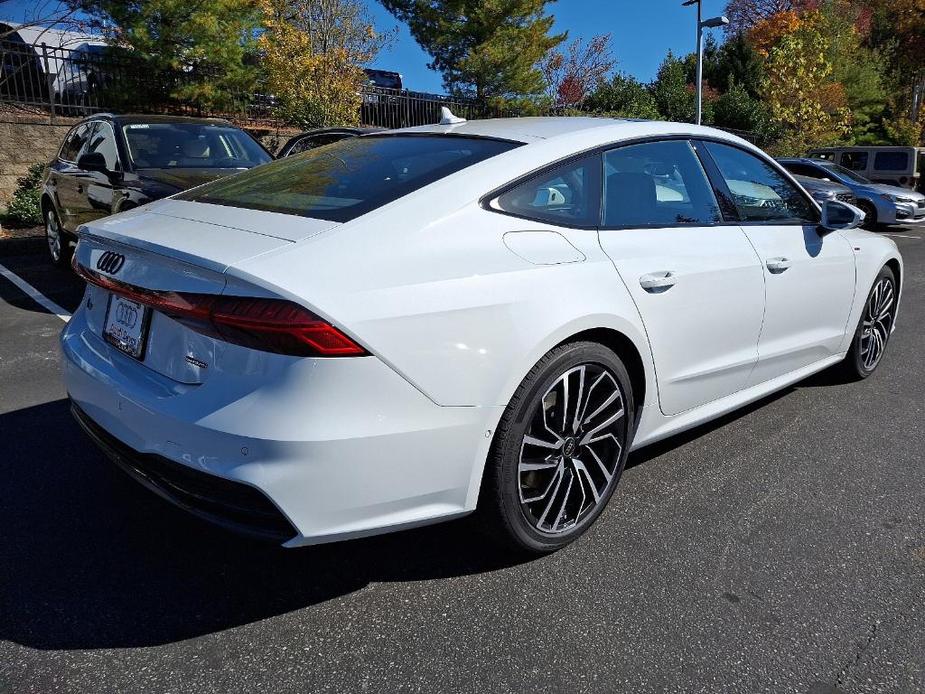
[
  {"x": 883, "y": 189},
  {"x": 820, "y": 185},
  {"x": 183, "y": 179}
]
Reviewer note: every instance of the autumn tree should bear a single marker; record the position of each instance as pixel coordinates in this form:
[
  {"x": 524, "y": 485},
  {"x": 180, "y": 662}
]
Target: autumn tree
[
  {"x": 745, "y": 14},
  {"x": 483, "y": 48},
  {"x": 572, "y": 75},
  {"x": 312, "y": 53},
  {"x": 804, "y": 100}
]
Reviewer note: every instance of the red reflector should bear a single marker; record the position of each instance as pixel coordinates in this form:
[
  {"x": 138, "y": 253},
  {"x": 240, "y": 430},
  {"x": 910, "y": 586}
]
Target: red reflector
[{"x": 269, "y": 325}]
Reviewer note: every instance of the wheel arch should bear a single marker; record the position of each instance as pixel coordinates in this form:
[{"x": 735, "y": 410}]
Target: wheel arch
[
  {"x": 629, "y": 354},
  {"x": 48, "y": 203}
]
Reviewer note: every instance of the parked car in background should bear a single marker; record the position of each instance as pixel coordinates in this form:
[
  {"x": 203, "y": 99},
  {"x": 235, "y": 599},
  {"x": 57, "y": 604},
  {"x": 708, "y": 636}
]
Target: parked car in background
[
  {"x": 826, "y": 190},
  {"x": 895, "y": 166},
  {"x": 109, "y": 164},
  {"x": 81, "y": 75},
  {"x": 398, "y": 328},
  {"x": 881, "y": 204},
  {"x": 385, "y": 79},
  {"x": 316, "y": 138}
]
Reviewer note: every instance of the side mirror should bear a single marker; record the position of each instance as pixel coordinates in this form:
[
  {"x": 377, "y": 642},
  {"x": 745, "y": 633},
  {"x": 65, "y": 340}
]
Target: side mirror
[
  {"x": 840, "y": 215},
  {"x": 92, "y": 161}
]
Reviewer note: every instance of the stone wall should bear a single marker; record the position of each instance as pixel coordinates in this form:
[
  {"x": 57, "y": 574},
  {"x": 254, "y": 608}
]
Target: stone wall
[{"x": 23, "y": 144}]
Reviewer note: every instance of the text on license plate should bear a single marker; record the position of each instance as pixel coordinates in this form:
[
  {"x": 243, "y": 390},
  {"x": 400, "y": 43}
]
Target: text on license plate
[{"x": 126, "y": 325}]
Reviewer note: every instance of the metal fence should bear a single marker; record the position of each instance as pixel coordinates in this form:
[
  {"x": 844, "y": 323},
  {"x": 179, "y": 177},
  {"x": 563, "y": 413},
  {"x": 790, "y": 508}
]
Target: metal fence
[{"x": 89, "y": 79}]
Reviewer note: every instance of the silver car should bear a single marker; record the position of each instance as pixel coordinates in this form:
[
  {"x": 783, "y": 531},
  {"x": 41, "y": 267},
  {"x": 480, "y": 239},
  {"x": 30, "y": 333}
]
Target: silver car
[
  {"x": 821, "y": 190},
  {"x": 882, "y": 204}
]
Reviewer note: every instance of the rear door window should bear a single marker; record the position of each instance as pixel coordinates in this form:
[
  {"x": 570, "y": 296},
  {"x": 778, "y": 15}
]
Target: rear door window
[
  {"x": 891, "y": 161},
  {"x": 346, "y": 179},
  {"x": 657, "y": 184}
]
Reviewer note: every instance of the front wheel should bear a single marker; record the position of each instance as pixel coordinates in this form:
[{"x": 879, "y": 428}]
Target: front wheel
[
  {"x": 59, "y": 250},
  {"x": 874, "y": 328},
  {"x": 560, "y": 448}
]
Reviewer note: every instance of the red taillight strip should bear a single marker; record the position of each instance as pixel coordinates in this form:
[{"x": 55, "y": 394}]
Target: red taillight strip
[{"x": 271, "y": 325}]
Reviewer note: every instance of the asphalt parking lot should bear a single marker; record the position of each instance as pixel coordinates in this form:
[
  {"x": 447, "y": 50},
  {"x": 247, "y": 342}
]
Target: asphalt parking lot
[{"x": 780, "y": 549}]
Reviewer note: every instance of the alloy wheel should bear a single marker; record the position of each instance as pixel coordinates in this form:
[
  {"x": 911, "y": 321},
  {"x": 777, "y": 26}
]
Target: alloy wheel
[
  {"x": 877, "y": 322},
  {"x": 572, "y": 448},
  {"x": 53, "y": 236}
]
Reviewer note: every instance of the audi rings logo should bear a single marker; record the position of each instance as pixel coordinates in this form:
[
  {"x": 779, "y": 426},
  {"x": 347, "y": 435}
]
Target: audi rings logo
[{"x": 110, "y": 262}]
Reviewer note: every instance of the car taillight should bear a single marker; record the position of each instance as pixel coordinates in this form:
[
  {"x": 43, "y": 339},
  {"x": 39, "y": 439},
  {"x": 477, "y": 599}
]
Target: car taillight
[{"x": 270, "y": 325}]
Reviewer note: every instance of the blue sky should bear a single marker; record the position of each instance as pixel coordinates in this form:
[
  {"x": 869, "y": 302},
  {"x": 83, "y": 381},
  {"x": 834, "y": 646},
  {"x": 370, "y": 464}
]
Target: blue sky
[{"x": 643, "y": 31}]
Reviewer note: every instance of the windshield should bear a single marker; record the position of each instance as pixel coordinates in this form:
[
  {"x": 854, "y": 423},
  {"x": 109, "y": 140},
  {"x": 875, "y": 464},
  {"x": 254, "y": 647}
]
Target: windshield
[
  {"x": 842, "y": 172},
  {"x": 346, "y": 179},
  {"x": 191, "y": 146}
]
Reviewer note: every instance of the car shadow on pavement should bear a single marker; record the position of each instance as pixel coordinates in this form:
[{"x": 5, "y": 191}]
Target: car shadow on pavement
[{"x": 89, "y": 559}]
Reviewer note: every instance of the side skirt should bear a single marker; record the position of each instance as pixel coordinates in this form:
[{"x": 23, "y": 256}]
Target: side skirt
[{"x": 654, "y": 426}]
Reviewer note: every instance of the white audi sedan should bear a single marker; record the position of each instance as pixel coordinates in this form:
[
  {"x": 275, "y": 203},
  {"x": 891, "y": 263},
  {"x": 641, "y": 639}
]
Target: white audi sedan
[{"x": 409, "y": 326}]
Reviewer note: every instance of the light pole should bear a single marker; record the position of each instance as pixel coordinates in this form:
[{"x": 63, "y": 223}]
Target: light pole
[{"x": 702, "y": 24}]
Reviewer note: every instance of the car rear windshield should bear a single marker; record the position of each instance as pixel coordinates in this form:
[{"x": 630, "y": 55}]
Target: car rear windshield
[
  {"x": 191, "y": 146},
  {"x": 346, "y": 179}
]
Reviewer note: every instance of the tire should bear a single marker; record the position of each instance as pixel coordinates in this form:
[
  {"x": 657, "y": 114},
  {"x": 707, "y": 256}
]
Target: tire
[
  {"x": 870, "y": 215},
  {"x": 57, "y": 243},
  {"x": 544, "y": 455},
  {"x": 874, "y": 327}
]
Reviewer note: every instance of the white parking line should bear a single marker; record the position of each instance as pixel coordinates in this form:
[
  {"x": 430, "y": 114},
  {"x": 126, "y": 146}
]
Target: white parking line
[
  {"x": 35, "y": 294},
  {"x": 905, "y": 236}
]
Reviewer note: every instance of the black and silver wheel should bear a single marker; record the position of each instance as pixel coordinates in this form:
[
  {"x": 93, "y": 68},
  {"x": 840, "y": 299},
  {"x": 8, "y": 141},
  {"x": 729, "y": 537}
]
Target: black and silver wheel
[
  {"x": 59, "y": 250},
  {"x": 874, "y": 329},
  {"x": 560, "y": 447}
]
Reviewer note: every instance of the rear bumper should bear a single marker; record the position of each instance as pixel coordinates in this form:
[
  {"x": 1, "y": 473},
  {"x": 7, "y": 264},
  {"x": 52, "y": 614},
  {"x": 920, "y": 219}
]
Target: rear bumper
[
  {"x": 232, "y": 505},
  {"x": 339, "y": 448}
]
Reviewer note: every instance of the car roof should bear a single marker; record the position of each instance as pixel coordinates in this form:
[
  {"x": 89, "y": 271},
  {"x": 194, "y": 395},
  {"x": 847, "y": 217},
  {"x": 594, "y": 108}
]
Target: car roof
[
  {"x": 551, "y": 128},
  {"x": 129, "y": 118},
  {"x": 804, "y": 160},
  {"x": 341, "y": 129},
  {"x": 519, "y": 129}
]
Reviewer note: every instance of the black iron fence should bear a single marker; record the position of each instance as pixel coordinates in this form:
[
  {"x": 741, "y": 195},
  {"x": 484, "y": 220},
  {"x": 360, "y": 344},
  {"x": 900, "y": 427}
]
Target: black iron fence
[{"x": 89, "y": 79}]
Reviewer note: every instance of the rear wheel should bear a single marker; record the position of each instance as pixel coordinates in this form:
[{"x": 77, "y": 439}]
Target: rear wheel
[
  {"x": 59, "y": 249},
  {"x": 560, "y": 448},
  {"x": 874, "y": 329}
]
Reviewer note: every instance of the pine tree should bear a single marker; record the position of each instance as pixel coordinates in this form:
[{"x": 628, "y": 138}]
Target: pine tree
[{"x": 483, "y": 48}]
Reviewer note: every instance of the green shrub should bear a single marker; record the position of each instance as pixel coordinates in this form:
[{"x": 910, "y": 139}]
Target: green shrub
[{"x": 25, "y": 208}]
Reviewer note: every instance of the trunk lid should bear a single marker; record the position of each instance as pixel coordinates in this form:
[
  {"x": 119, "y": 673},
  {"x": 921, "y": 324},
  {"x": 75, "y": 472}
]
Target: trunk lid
[{"x": 150, "y": 249}]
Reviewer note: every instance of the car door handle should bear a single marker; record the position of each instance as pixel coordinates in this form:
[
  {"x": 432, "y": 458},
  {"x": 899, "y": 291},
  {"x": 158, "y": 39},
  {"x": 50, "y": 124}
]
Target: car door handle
[
  {"x": 778, "y": 265},
  {"x": 656, "y": 282}
]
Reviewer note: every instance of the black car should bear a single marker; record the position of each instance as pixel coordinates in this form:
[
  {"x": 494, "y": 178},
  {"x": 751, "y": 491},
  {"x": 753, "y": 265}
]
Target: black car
[
  {"x": 316, "y": 138},
  {"x": 110, "y": 164}
]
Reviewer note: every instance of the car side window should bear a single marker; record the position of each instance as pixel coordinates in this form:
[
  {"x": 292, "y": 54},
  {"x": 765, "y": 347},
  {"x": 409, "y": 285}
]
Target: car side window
[
  {"x": 856, "y": 161},
  {"x": 568, "y": 195},
  {"x": 103, "y": 140},
  {"x": 891, "y": 161},
  {"x": 75, "y": 141},
  {"x": 805, "y": 170},
  {"x": 761, "y": 193},
  {"x": 657, "y": 184},
  {"x": 307, "y": 143}
]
